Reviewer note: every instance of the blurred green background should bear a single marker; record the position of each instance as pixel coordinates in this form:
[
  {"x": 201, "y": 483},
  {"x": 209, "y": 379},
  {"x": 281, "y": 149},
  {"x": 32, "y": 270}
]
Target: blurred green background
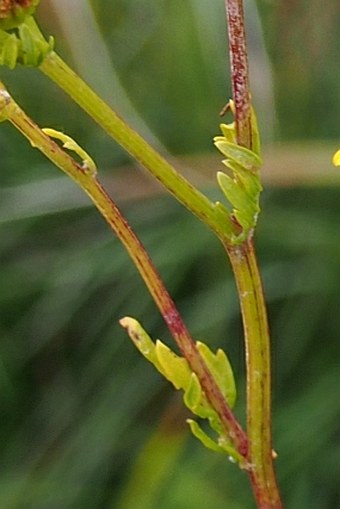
[{"x": 85, "y": 422}]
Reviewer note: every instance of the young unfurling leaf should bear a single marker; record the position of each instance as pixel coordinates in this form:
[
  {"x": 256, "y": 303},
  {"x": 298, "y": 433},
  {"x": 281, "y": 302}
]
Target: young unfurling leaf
[
  {"x": 88, "y": 165},
  {"x": 246, "y": 158},
  {"x": 242, "y": 187}
]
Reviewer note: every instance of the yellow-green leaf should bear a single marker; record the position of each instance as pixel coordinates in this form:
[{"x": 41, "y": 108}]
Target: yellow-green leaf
[
  {"x": 221, "y": 370},
  {"x": 193, "y": 394},
  {"x": 88, "y": 163},
  {"x": 198, "y": 432},
  {"x": 141, "y": 339},
  {"x": 174, "y": 368}
]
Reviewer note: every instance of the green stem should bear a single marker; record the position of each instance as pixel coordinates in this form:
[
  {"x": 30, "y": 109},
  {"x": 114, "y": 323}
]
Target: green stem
[
  {"x": 9, "y": 110},
  {"x": 57, "y": 70},
  {"x": 250, "y": 291},
  {"x": 257, "y": 342}
]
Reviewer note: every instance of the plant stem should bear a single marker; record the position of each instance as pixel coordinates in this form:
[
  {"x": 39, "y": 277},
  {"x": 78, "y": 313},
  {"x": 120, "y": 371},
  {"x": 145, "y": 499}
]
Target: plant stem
[
  {"x": 169, "y": 312},
  {"x": 250, "y": 291},
  {"x": 9, "y": 110},
  {"x": 58, "y": 71},
  {"x": 239, "y": 70},
  {"x": 257, "y": 344}
]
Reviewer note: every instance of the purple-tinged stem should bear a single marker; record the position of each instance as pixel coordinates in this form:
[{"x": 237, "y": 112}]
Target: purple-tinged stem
[
  {"x": 239, "y": 70},
  {"x": 10, "y": 110},
  {"x": 250, "y": 290}
]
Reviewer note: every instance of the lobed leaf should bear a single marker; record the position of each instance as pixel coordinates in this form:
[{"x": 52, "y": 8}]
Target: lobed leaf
[
  {"x": 243, "y": 156},
  {"x": 141, "y": 340},
  {"x": 198, "y": 432},
  {"x": 193, "y": 394},
  {"x": 219, "y": 365},
  {"x": 174, "y": 368},
  {"x": 177, "y": 370},
  {"x": 242, "y": 189}
]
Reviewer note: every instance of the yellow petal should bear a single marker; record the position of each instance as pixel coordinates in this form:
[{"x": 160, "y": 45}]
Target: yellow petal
[{"x": 336, "y": 158}]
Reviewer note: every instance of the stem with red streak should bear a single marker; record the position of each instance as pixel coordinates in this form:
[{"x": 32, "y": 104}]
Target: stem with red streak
[
  {"x": 9, "y": 110},
  {"x": 250, "y": 291}
]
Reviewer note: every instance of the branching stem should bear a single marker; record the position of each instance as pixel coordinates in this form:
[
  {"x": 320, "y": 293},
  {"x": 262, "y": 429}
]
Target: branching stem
[
  {"x": 256, "y": 446},
  {"x": 9, "y": 110},
  {"x": 58, "y": 71}
]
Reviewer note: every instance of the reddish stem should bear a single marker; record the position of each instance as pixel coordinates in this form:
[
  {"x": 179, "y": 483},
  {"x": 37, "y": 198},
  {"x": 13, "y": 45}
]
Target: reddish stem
[
  {"x": 108, "y": 209},
  {"x": 247, "y": 276},
  {"x": 170, "y": 314},
  {"x": 239, "y": 70}
]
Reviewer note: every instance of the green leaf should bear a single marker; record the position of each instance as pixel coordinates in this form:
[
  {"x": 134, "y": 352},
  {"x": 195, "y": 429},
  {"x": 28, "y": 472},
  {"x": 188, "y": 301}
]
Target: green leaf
[
  {"x": 242, "y": 189},
  {"x": 174, "y": 368},
  {"x": 193, "y": 394},
  {"x": 140, "y": 339},
  {"x": 219, "y": 366},
  {"x": 177, "y": 370},
  {"x": 198, "y": 432},
  {"x": 88, "y": 163},
  {"x": 9, "y": 49},
  {"x": 239, "y": 199},
  {"x": 255, "y": 133},
  {"x": 30, "y": 53},
  {"x": 26, "y": 46},
  {"x": 250, "y": 182},
  {"x": 222, "y": 446},
  {"x": 243, "y": 156},
  {"x": 228, "y": 131}
]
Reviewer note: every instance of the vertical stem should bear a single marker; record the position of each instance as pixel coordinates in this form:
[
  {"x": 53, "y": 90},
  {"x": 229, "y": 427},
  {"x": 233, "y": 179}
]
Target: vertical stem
[
  {"x": 249, "y": 285},
  {"x": 257, "y": 344},
  {"x": 239, "y": 70}
]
